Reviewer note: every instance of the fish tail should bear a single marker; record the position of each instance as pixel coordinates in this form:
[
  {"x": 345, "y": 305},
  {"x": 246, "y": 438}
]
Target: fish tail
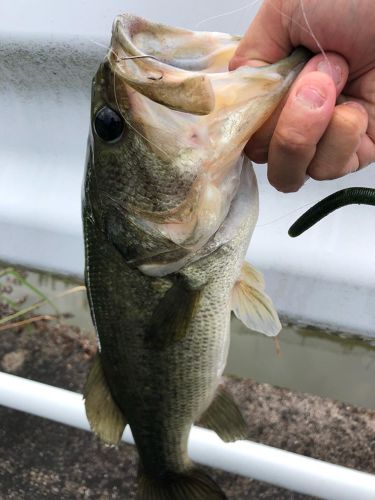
[{"x": 193, "y": 484}]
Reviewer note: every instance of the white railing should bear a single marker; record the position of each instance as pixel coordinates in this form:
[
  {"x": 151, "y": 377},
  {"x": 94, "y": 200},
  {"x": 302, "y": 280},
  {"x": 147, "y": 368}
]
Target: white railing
[{"x": 257, "y": 461}]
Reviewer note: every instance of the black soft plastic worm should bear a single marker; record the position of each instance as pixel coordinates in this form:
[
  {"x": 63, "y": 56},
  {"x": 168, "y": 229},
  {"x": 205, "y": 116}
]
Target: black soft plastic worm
[{"x": 349, "y": 196}]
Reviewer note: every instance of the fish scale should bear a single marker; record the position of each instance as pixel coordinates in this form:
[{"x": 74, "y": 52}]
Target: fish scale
[{"x": 166, "y": 232}]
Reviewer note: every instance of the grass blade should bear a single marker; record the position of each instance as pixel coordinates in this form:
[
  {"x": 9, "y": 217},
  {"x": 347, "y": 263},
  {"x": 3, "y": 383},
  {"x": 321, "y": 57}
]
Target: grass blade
[
  {"x": 27, "y": 321},
  {"x": 40, "y": 303},
  {"x": 31, "y": 287}
]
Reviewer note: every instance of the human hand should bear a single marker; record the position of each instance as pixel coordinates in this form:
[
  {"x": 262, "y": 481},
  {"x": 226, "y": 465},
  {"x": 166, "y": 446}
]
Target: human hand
[{"x": 325, "y": 127}]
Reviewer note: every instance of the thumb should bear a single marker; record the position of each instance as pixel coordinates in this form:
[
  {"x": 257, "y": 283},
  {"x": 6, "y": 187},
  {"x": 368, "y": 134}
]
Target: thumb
[{"x": 267, "y": 39}]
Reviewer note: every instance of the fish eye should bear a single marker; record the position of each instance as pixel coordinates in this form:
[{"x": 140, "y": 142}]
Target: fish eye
[{"x": 108, "y": 124}]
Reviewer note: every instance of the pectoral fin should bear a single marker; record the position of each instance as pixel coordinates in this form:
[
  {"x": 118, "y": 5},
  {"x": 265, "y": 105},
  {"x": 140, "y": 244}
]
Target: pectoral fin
[
  {"x": 172, "y": 316},
  {"x": 224, "y": 417},
  {"x": 103, "y": 414},
  {"x": 251, "y": 305}
]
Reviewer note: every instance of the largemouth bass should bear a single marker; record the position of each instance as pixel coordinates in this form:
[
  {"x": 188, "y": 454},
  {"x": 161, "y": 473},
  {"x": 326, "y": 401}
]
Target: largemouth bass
[{"x": 170, "y": 203}]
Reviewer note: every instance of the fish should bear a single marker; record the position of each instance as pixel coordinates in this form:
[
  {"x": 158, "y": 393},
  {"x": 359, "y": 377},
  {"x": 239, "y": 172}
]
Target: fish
[{"x": 169, "y": 205}]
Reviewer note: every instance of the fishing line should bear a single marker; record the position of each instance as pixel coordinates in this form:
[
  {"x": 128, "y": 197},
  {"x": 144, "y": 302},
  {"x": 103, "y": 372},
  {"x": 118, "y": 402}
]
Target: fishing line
[
  {"x": 115, "y": 93},
  {"x": 228, "y": 13},
  {"x": 234, "y": 11},
  {"x": 98, "y": 43},
  {"x": 93, "y": 170},
  {"x": 125, "y": 58},
  {"x": 273, "y": 221},
  {"x": 306, "y": 28},
  {"x": 315, "y": 38},
  {"x": 110, "y": 49},
  {"x": 303, "y": 28},
  {"x": 342, "y": 198},
  {"x": 118, "y": 57},
  {"x": 128, "y": 122},
  {"x": 137, "y": 57}
]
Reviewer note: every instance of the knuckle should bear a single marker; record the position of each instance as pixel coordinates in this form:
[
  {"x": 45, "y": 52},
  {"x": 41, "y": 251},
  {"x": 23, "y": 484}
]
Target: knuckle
[
  {"x": 367, "y": 87},
  {"x": 283, "y": 187},
  {"x": 292, "y": 188},
  {"x": 257, "y": 149},
  {"x": 258, "y": 155},
  {"x": 292, "y": 141},
  {"x": 320, "y": 171},
  {"x": 350, "y": 121},
  {"x": 352, "y": 124}
]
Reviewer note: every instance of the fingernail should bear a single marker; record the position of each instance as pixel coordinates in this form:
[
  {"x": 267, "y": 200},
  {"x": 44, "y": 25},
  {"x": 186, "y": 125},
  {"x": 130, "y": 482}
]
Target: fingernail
[
  {"x": 333, "y": 70},
  {"x": 310, "y": 97}
]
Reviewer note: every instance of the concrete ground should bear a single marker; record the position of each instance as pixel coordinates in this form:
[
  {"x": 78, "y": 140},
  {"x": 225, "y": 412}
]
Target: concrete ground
[{"x": 40, "y": 459}]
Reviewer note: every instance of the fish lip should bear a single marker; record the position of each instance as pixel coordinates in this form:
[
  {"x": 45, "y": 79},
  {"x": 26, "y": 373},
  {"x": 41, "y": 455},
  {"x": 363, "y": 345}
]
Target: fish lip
[{"x": 125, "y": 26}]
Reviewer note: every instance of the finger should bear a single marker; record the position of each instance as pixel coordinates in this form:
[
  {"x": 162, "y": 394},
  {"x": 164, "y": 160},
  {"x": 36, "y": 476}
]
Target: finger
[
  {"x": 333, "y": 65},
  {"x": 362, "y": 90},
  {"x": 266, "y": 38},
  {"x": 301, "y": 125},
  {"x": 366, "y": 151},
  {"x": 336, "y": 153}
]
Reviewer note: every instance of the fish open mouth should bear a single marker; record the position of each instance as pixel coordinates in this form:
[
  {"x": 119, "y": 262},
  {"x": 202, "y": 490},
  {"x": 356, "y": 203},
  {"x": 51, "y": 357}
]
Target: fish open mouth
[
  {"x": 169, "y": 65},
  {"x": 187, "y": 70}
]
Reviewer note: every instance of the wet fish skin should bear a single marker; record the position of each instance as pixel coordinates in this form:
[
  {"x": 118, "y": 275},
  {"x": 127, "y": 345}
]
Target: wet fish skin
[{"x": 168, "y": 211}]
